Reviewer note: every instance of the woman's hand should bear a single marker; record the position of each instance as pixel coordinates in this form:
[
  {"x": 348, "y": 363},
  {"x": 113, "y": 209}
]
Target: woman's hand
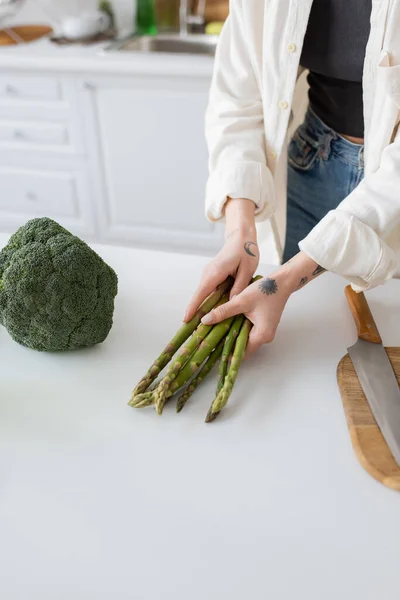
[
  {"x": 263, "y": 302},
  {"x": 239, "y": 257}
]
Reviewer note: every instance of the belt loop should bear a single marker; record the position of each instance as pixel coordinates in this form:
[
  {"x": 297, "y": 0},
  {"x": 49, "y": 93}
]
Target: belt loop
[{"x": 325, "y": 147}]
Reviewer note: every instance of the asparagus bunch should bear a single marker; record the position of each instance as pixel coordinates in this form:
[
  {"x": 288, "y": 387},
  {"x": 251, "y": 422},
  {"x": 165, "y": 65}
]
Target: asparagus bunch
[
  {"x": 181, "y": 336},
  {"x": 191, "y": 356}
]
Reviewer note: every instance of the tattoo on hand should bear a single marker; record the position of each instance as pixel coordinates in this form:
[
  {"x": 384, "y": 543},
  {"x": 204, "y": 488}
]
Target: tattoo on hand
[
  {"x": 318, "y": 271},
  {"x": 247, "y": 248},
  {"x": 303, "y": 281},
  {"x": 268, "y": 286}
]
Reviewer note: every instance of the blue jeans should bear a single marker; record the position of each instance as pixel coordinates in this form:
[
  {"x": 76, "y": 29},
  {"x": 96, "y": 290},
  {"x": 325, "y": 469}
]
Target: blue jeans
[{"x": 323, "y": 168}]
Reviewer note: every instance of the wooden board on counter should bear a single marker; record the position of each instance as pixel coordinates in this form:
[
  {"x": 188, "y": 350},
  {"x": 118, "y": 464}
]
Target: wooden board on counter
[
  {"x": 28, "y": 33},
  {"x": 368, "y": 442}
]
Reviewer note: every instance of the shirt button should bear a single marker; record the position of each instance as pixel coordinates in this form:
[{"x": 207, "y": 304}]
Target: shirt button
[
  {"x": 273, "y": 155},
  {"x": 283, "y": 104},
  {"x": 292, "y": 47}
]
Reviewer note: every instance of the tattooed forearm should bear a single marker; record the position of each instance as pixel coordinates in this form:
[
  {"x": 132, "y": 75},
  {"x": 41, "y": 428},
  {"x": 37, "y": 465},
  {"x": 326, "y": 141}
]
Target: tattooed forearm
[
  {"x": 318, "y": 271},
  {"x": 248, "y": 246},
  {"x": 268, "y": 286},
  {"x": 303, "y": 281}
]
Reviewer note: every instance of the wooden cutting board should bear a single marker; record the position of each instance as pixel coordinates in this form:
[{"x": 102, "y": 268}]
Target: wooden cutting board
[
  {"x": 368, "y": 442},
  {"x": 28, "y": 33}
]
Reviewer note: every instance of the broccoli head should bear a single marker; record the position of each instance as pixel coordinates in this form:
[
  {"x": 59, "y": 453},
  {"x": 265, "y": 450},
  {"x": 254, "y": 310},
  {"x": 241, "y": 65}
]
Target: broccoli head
[{"x": 56, "y": 293}]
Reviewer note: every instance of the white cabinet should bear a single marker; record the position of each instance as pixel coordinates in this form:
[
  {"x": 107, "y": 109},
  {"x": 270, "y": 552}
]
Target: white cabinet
[
  {"x": 43, "y": 168},
  {"x": 117, "y": 159},
  {"x": 153, "y": 162}
]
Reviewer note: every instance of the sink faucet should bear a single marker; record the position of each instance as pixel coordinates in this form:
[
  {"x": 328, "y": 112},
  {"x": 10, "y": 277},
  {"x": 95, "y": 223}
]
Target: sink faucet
[{"x": 186, "y": 18}]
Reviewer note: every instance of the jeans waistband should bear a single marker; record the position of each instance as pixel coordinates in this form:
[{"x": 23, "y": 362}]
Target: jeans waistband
[{"x": 329, "y": 140}]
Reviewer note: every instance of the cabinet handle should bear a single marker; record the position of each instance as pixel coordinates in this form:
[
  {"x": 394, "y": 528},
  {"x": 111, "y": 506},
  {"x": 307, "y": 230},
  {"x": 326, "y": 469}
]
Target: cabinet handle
[
  {"x": 19, "y": 135},
  {"x": 11, "y": 90},
  {"x": 88, "y": 86},
  {"x": 31, "y": 196}
]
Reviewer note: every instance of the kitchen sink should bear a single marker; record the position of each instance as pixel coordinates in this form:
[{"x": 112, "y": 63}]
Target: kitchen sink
[{"x": 180, "y": 44}]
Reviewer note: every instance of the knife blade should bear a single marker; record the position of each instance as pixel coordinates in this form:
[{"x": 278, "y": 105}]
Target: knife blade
[{"x": 375, "y": 372}]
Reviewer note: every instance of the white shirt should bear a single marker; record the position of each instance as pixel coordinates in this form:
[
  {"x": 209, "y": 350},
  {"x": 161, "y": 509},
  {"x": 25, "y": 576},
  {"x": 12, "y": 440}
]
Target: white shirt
[{"x": 255, "y": 91}]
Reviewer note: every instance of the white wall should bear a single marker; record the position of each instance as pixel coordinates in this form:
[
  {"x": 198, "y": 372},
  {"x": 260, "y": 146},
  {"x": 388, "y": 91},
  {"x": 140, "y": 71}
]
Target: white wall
[{"x": 44, "y": 11}]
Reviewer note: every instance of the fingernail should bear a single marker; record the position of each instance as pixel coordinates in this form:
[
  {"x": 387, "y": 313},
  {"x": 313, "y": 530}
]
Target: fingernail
[
  {"x": 207, "y": 319},
  {"x": 185, "y": 317}
]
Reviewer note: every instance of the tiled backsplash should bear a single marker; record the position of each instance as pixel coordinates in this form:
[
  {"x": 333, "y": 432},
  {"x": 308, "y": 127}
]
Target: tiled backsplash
[{"x": 43, "y": 11}]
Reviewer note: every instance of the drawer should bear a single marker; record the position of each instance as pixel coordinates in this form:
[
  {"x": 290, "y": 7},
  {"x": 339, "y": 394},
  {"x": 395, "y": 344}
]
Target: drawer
[
  {"x": 39, "y": 193},
  {"x": 25, "y": 87},
  {"x": 47, "y": 134}
]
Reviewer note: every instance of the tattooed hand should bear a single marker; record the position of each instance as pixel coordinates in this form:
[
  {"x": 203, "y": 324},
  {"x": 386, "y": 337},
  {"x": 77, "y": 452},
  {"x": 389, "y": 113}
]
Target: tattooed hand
[
  {"x": 263, "y": 302},
  {"x": 239, "y": 256}
]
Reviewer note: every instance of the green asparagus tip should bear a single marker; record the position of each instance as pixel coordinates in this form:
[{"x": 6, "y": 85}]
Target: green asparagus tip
[
  {"x": 211, "y": 416},
  {"x": 133, "y": 401},
  {"x": 141, "y": 400},
  {"x": 132, "y": 404}
]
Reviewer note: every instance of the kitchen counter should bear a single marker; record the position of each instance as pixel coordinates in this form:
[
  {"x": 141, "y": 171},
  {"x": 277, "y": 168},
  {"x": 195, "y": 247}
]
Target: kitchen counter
[
  {"x": 100, "y": 501},
  {"x": 46, "y": 56}
]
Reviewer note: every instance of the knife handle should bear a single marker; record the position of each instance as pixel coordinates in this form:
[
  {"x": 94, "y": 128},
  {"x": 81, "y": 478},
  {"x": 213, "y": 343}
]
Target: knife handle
[{"x": 366, "y": 327}]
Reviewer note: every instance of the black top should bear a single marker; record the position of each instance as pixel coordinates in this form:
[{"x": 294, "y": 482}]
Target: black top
[{"x": 333, "y": 52}]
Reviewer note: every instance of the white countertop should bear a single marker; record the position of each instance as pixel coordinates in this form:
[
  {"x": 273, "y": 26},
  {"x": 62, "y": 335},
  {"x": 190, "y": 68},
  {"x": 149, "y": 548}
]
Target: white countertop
[
  {"x": 99, "y": 501},
  {"x": 45, "y": 56}
]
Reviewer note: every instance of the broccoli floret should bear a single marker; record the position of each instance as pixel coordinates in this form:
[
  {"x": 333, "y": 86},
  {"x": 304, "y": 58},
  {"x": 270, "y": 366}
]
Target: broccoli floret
[{"x": 56, "y": 293}]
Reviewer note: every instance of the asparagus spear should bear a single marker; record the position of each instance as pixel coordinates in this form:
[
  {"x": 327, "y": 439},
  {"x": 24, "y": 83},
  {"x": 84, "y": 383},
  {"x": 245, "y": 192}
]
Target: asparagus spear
[
  {"x": 201, "y": 375},
  {"x": 149, "y": 398},
  {"x": 181, "y": 336},
  {"x": 228, "y": 347},
  {"x": 215, "y": 335},
  {"x": 238, "y": 354},
  {"x": 225, "y": 363},
  {"x": 184, "y": 356}
]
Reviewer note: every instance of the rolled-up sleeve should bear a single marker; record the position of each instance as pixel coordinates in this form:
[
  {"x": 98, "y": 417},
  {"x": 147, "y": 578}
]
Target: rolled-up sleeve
[
  {"x": 235, "y": 126},
  {"x": 358, "y": 240}
]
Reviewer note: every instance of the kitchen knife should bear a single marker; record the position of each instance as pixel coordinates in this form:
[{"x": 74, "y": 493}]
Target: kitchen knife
[{"x": 375, "y": 372}]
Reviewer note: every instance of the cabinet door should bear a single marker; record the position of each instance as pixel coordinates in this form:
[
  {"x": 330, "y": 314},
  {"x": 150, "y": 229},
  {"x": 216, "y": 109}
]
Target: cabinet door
[
  {"x": 60, "y": 194},
  {"x": 153, "y": 164}
]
